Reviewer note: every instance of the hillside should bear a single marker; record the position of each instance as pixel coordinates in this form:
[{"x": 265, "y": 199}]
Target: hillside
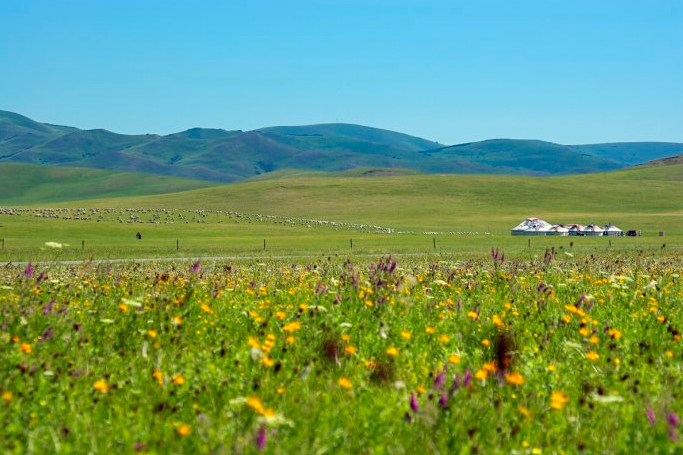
[
  {"x": 22, "y": 184},
  {"x": 447, "y": 202},
  {"x": 229, "y": 156}
]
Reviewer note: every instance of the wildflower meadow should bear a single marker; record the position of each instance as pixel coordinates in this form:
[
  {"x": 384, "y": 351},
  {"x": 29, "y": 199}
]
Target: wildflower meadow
[{"x": 555, "y": 354}]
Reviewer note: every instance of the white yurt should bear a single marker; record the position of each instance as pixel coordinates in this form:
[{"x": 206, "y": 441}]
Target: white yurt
[
  {"x": 558, "y": 229},
  {"x": 592, "y": 229},
  {"x": 575, "y": 229},
  {"x": 612, "y": 230},
  {"x": 532, "y": 226}
]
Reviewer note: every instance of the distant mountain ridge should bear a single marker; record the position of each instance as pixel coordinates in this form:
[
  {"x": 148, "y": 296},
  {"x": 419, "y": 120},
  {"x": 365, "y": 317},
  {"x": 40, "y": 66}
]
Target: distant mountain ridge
[{"x": 227, "y": 156}]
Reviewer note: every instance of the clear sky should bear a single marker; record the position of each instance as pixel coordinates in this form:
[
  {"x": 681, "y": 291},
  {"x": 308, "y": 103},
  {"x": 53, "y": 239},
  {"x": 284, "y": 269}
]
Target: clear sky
[{"x": 569, "y": 71}]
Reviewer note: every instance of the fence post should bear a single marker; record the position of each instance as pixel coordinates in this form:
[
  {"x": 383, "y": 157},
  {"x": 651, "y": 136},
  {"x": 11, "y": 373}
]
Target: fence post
[
  {"x": 529, "y": 240},
  {"x": 82, "y": 244},
  {"x": 264, "y": 244},
  {"x": 177, "y": 244},
  {"x": 434, "y": 242},
  {"x": 3, "y": 244},
  {"x": 351, "y": 243}
]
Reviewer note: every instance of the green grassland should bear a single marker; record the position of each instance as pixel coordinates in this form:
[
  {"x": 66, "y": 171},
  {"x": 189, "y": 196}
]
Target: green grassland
[{"x": 459, "y": 213}]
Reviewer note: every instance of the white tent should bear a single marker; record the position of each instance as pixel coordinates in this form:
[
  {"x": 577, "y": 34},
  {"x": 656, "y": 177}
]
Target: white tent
[
  {"x": 592, "y": 229},
  {"x": 575, "y": 229},
  {"x": 558, "y": 229},
  {"x": 612, "y": 230},
  {"x": 532, "y": 226}
]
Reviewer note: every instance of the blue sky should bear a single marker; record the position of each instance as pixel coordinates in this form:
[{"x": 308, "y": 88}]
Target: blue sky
[{"x": 576, "y": 71}]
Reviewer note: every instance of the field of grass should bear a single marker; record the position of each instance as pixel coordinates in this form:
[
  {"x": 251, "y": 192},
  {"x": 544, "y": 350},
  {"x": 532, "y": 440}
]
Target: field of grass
[
  {"x": 464, "y": 214},
  {"x": 557, "y": 354}
]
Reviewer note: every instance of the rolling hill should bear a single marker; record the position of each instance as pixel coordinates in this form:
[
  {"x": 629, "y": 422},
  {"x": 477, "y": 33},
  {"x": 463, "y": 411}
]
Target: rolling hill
[
  {"x": 229, "y": 156},
  {"x": 22, "y": 184}
]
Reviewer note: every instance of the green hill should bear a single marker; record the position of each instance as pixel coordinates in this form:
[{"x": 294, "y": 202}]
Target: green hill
[
  {"x": 447, "y": 202},
  {"x": 22, "y": 184},
  {"x": 229, "y": 156}
]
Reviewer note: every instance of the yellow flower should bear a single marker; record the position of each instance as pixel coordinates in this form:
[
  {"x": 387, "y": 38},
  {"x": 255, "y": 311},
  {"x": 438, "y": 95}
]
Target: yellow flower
[
  {"x": 281, "y": 390},
  {"x": 594, "y": 340},
  {"x": 280, "y": 315},
  {"x": 178, "y": 379},
  {"x": 256, "y": 404},
  {"x": 552, "y": 368},
  {"x": 497, "y": 321},
  {"x": 345, "y": 338},
  {"x": 176, "y": 321},
  {"x": 152, "y": 333},
  {"x": 592, "y": 355},
  {"x": 303, "y": 307},
  {"x": 614, "y": 333},
  {"x": 159, "y": 376},
  {"x": 101, "y": 386},
  {"x": 123, "y": 307},
  {"x": 267, "y": 361},
  {"x": 514, "y": 378},
  {"x": 490, "y": 366},
  {"x": 454, "y": 359},
  {"x": 7, "y": 396},
  {"x": 291, "y": 327},
  {"x": 253, "y": 342},
  {"x": 486, "y": 343},
  {"x": 524, "y": 410},
  {"x": 183, "y": 430},
  {"x": 430, "y": 330},
  {"x": 206, "y": 308},
  {"x": 669, "y": 354},
  {"x": 392, "y": 351},
  {"x": 290, "y": 339},
  {"x": 481, "y": 374},
  {"x": 558, "y": 400},
  {"x": 25, "y": 348},
  {"x": 444, "y": 338},
  {"x": 584, "y": 331},
  {"x": 368, "y": 303},
  {"x": 406, "y": 335},
  {"x": 350, "y": 350},
  {"x": 344, "y": 383},
  {"x": 472, "y": 314}
]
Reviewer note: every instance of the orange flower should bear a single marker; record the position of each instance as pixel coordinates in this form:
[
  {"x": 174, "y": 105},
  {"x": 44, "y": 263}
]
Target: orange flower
[
  {"x": 344, "y": 383},
  {"x": 101, "y": 386},
  {"x": 350, "y": 350},
  {"x": 592, "y": 355},
  {"x": 481, "y": 374},
  {"x": 183, "y": 430},
  {"x": 514, "y": 378},
  {"x": 25, "y": 348},
  {"x": 454, "y": 359},
  {"x": 178, "y": 379},
  {"x": 558, "y": 400}
]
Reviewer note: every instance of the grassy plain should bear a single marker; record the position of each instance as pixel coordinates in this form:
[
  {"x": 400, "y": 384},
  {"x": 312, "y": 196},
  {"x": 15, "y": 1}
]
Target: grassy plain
[{"x": 465, "y": 214}]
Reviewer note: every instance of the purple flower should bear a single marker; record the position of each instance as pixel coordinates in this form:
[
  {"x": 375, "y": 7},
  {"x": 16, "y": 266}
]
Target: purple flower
[
  {"x": 28, "y": 271},
  {"x": 467, "y": 378},
  {"x": 456, "y": 383},
  {"x": 440, "y": 379},
  {"x": 195, "y": 267},
  {"x": 673, "y": 435},
  {"x": 414, "y": 405},
  {"x": 261, "y": 438},
  {"x": 673, "y": 419},
  {"x": 650, "y": 414},
  {"x": 443, "y": 401}
]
